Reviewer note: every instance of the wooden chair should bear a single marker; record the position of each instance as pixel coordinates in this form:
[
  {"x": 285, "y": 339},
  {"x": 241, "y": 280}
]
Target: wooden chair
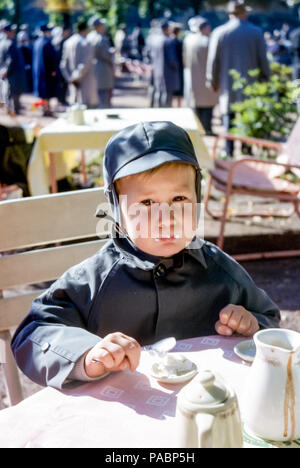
[
  {"x": 257, "y": 178},
  {"x": 40, "y": 223}
]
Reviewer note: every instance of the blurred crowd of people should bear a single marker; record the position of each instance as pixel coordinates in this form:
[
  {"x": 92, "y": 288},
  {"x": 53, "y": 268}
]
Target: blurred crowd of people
[
  {"x": 79, "y": 66},
  {"x": 72, "y": 66},
  {"x": 284, "y": 47}
]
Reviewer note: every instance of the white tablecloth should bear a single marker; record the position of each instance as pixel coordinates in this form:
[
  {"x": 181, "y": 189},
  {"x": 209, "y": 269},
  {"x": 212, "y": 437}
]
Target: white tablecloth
[
  {"x": 61, "y": 136},
  {"x": 125, "y": 409}
]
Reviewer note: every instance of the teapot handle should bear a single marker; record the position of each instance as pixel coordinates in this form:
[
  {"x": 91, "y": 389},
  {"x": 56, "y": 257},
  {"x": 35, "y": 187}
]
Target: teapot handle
[{"x": 205, "y": 424}]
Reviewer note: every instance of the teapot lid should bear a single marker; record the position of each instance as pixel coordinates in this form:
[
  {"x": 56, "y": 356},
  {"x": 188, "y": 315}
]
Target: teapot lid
[{"x": 206, "y": 390}]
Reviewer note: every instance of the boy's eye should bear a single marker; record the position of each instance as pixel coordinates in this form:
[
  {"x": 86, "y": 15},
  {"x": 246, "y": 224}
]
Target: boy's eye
[
  {"x": 150, "y": 202},
  {"x": 147, "y": 202}
]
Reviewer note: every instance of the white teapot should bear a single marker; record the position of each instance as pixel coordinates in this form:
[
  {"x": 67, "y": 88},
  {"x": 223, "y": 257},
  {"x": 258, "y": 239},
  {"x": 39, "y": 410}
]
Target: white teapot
[
  {"x": 271, "y": 403},
  {"x": 208, "y": 415}
]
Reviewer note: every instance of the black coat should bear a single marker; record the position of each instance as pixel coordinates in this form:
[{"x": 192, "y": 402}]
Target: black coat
[
  {"x": 45, "y": 68},
  {"x": 12, "y": 63},
  {"x": 124, "y": 289}
]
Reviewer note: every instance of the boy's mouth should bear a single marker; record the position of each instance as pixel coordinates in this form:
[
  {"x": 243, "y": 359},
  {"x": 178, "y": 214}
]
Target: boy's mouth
[{"x": 167, "y": 239}]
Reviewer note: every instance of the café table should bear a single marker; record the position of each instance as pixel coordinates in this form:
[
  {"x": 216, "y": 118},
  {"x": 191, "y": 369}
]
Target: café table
[
  {"x": 123, "y": 410},
  {"x": 49, "y": 161}
]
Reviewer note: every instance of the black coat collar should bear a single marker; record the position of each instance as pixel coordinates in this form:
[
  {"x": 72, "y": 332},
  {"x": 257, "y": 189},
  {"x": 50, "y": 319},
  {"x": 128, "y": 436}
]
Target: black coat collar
[{"x": 139, "y": 259}]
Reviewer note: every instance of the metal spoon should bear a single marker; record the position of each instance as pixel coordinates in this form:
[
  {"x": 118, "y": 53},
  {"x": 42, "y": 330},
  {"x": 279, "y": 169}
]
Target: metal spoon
[{"x": 161, "y": 347}]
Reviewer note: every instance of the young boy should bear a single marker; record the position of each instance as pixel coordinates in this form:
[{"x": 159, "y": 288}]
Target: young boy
[{"x": 155, "y": 278}]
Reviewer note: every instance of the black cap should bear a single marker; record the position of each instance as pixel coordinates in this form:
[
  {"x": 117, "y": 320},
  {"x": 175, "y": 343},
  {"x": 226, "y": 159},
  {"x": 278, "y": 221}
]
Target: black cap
[
  {"x": 45, "y": 27},
  {"x": 165, "y": 25},
  {"x": 144, "y": 146},
  {"x": 10, "y": 27},
  {"x": 95, "y": 21},
  {"x": 82, "y": 26}
]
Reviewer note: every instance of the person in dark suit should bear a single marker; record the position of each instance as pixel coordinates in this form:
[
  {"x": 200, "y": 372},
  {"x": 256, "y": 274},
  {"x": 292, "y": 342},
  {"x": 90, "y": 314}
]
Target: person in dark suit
[
  {"x": 176, "y": 29},
  {"x": 138, "y": 42},
  {"x": 45, "y": 68},
  {"x": 165, "y": 67},
  {"x": 26, "y": 50},
  {"x": 58, "y": 42},
  {"x": 237, "y": 45},
  {"x": 12, "y": 69}
]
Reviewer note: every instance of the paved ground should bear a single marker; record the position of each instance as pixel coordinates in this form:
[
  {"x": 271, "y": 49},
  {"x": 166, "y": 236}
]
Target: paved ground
[{"x": 279, "y": 278}]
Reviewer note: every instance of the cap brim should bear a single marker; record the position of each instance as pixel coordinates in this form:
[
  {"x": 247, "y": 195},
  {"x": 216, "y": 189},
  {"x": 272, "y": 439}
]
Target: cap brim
[{"x": 152, "y": 160}]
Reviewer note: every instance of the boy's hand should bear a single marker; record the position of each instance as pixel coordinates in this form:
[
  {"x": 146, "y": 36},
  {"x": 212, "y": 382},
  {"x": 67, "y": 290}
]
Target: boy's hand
[
  {"x": 114, "y": 353},
  {"x": 234, "y": 318}
]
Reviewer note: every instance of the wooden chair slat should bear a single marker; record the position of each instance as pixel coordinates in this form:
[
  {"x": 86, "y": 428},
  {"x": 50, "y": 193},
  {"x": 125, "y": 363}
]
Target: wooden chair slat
[
  {"x": 14, "y": 309},
  {"x": 48, "y": 219},
  {"x": 43, "y": 265}
]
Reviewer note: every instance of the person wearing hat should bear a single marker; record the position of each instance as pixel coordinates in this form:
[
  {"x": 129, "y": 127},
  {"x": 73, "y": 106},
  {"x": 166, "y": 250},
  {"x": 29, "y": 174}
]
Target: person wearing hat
[
  {"x": 154, "y": 278},
  {"x": 77, "y": 67},
  {"x": 238, "y": 45},
  {"x": 166, "y": 75},
  {"x": 23, "y": 41},
  {"x": 12, "y": 69},
  {"x": 103, "y": 62},
  {"x": 45, "y": 68},
  {"x": 3, "y": 23},
  {"x": 195, "y": 52}
]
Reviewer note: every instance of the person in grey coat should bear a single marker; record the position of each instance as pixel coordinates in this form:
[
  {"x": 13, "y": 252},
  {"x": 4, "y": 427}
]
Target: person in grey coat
[
  {"x": 77, "y": 68},
  {"x": 166, "y": 75},
  {"x": 198, "y": 96},
  {"x": 143, "y": 285},
  {"x": 103, "y": 62},
  {"x": 237, "y": 45},
  {"x": 12, "y": 69}
]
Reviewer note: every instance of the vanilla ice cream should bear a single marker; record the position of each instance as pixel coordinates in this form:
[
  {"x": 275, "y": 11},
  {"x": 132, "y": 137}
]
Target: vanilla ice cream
[{"x": 172, "y": 365}]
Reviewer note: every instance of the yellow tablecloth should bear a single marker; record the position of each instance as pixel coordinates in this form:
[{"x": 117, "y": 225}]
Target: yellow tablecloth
[{"x": 61, "y": 136}]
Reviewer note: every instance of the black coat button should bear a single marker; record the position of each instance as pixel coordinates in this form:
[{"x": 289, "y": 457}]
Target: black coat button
[
  {"x": 45, "y": 347},
  {"x": 160, "y": 271}
]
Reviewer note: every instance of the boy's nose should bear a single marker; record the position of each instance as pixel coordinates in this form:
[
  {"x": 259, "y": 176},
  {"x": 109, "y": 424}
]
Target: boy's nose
[{"x": 167, "y": 217}]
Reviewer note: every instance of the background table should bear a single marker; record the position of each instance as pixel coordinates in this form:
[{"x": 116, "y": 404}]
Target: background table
[
  {"x": 62, "y": 136},
  {"x": 123, "y": 410}
]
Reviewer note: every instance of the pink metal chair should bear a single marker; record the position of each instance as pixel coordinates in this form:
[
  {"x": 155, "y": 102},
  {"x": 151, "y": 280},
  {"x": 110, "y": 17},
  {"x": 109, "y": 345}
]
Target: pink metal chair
[{"x": 257, "y": 178}]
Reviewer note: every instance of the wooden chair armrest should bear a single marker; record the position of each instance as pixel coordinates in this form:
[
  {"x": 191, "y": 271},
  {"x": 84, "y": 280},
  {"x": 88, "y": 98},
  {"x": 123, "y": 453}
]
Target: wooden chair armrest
[{"x": 244, "y": 139}]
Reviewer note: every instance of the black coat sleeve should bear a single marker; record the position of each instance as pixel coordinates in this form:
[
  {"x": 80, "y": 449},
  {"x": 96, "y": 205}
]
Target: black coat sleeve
[
  {"x": 55, "y": 333},
  {"x": 247, "y": 293}
]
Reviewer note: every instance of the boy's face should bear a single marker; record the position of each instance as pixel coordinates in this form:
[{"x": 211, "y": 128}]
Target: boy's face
[{"x": 159, "y": 209}]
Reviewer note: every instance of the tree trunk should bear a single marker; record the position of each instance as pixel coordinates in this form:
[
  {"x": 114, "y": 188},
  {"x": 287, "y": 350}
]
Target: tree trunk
[
  {"x": 151, "y": 9},
  {"x": 67, "y": 20},
  {"x": 196, "y": 5},
  {"x": 17, "y": 18}
]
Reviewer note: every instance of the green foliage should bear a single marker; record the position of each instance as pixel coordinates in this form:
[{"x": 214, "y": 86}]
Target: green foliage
[{"x": 270, "y": 108}]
